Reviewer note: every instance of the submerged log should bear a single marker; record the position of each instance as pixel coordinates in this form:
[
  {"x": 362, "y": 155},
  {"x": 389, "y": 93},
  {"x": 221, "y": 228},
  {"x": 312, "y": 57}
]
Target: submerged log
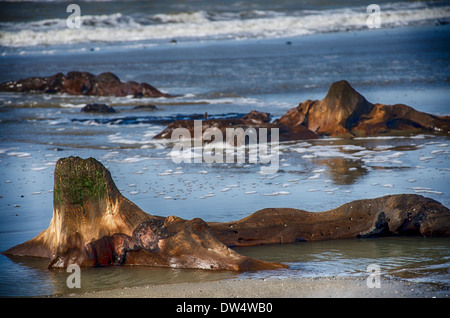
[
  {"x": 93, "y": 224},
  {"x": 82, "y": 83}
]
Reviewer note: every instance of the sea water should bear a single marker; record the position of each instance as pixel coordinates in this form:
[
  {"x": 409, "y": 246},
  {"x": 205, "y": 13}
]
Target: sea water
[{"x": 225, "y": 60}]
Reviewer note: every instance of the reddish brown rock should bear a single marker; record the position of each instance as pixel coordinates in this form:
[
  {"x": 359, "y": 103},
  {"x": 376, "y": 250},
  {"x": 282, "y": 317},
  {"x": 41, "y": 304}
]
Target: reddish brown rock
[
  {"x": 77, "y": 83},
  {"x": 399, "y": 118},
  {"x": 256, "y": 117},
  {"x": 82, "y": 83},
  {"x": 93, "y": 224},
  {"x": 403, "y": 214},
  {"x": 97, "y": 108},
  {"x": 346, "y": 113},
  {"x": 342, "y": 113}
]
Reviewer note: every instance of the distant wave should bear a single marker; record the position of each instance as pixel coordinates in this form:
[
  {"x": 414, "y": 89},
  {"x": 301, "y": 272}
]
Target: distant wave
[{"x": 206, "y": 25}]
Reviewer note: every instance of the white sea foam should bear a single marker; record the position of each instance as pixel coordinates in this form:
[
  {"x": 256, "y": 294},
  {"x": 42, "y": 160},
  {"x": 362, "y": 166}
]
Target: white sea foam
[
  {"x": 119, "y": 27},
  {"x": 131, "y": 160},
  {"x": 18, "y": 154},
  {"x": 70, "y": 105},
  {"x": 427, "y": 190},
  {"x": 418, "y": 188},
  {"x": 315, "y": 176},
  {"x": 39, "y": 168},
  {"x": 2, "y": 151},
  {"x": 276, "y": 193}
]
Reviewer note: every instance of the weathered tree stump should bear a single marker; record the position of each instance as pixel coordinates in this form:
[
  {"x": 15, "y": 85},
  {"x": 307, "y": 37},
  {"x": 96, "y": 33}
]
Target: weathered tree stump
[{"x": 93, "y": 224}]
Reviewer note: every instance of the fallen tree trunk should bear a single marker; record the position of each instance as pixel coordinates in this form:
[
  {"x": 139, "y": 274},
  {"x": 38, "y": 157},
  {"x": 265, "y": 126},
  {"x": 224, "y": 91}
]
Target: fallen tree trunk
[
  {"x": 402, "y": 214},
  {"x": 93, "y": 224}
]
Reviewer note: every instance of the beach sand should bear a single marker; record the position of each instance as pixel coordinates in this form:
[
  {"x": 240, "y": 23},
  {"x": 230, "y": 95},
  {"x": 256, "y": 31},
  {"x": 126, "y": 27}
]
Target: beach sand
[{"x": 320, "y": 287}]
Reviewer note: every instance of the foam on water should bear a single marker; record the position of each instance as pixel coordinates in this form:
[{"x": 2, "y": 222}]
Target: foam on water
[
  {"x": 276, "y": 193},
  {"x": 118, "y": 27},
  {"x": 18, "y": 154}
]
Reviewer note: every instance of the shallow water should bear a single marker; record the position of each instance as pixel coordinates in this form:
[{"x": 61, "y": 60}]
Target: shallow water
[
  {"x": 413, "y": 259},
  {"x": 227, "y": 77}
]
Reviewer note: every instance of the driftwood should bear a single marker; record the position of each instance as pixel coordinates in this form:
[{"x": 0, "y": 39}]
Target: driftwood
[
  {"x": 402, "y": 214},
  {"x": 93, "y": 224}
]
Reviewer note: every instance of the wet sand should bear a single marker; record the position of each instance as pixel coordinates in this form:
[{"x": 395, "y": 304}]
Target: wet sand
[{"x": 321, "y": 287}]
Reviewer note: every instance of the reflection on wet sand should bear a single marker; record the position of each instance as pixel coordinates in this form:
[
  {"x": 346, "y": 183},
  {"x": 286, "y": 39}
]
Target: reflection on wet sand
[
  {"x": 343, "y": 171},
  {"x": 37, "y": 280}
]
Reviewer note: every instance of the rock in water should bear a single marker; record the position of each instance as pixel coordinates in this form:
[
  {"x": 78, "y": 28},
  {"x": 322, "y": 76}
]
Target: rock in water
[
  {"x": 399, "y": 118},
  {"x": 333, "y": 115},
  {"x": 145, "y": 107},
  {"x": 83, "y": 83},
  {"x": 97, "y": 108},
  {"x": 93, "y": 224},
  {"x": 253, "y": 119},
  {"x": 346, "y": 113},
  {"x": 342, "y": 113}
]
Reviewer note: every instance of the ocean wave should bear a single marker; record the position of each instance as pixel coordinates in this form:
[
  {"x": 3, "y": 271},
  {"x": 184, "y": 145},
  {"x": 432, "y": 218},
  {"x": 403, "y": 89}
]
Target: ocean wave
[{"x": 205, "y": 25}]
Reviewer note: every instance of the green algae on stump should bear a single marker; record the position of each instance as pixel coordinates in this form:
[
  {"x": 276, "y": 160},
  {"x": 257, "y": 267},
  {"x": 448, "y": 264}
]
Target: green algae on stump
[{"x": 94, "y": 225}]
